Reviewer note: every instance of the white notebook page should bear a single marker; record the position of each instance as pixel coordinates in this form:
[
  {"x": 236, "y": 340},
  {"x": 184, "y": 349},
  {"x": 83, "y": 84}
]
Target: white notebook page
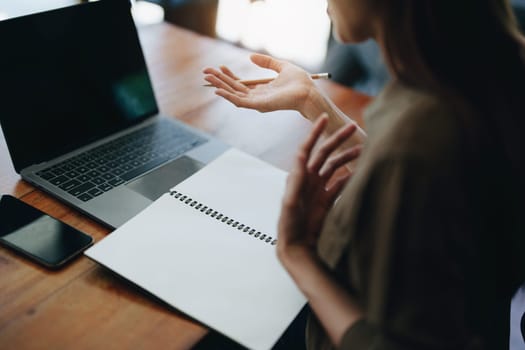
[{"x": 220, "y": 275}]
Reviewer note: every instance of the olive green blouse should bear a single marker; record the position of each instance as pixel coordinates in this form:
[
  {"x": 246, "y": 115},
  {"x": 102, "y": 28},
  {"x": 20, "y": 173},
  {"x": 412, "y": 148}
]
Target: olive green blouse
[{"x": 404, "y": 237}]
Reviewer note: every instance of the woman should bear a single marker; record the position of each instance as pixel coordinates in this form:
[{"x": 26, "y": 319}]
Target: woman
[{"x": 423, "y": 248}]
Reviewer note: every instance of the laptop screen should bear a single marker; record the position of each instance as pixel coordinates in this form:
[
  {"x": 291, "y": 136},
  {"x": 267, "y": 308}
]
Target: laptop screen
[{"x": 68, "y": 77}]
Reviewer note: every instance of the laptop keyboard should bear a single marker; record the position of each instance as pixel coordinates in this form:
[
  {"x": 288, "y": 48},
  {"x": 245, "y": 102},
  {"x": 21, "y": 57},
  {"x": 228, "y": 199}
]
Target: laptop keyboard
[{"x": 96, "y": 171}]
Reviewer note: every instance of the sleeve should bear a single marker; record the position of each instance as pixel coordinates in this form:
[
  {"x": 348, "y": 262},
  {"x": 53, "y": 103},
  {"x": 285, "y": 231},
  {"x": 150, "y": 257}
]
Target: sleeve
[{"x": 406, "y": 259}]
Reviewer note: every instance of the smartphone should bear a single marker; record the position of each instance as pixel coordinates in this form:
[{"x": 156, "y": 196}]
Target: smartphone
[{"x": 37, "y": 235}]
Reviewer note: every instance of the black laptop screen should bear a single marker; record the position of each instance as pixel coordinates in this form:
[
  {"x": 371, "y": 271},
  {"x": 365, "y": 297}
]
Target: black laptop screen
[{"x": 68, "y": 77}]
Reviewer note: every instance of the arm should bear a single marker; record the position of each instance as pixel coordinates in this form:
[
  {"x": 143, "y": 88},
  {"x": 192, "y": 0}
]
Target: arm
[
  {"x": 306, "y": 202},
  {"x": 333, "y": 306},
  {"x": 411, "y": 282},
  {"x": 316, "y": 104},
  {"x": 292, "y": 89}
]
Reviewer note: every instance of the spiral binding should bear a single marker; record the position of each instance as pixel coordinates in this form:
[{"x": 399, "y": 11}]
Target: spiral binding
[{"x": 223, "y": 218}]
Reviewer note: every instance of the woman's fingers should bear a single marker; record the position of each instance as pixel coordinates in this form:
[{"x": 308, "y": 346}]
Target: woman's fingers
[
  {"x": 335, "y": 189},
  {"x": 297, "y": 176},
  {"x": 314, "y": 135},
  {"x": 228, "y": 72},
  {"x": 294, "y": 185},
  {"x": 234, "y": 83},
  {"x": 218, "y": 83},
  {"x": 329, "y": 145},
  {"x": 268, "y": 62},
  {"x": 295, "y": 182},
  {"x": 333, "y": 163},
  {"x": 238, "y": 99}
]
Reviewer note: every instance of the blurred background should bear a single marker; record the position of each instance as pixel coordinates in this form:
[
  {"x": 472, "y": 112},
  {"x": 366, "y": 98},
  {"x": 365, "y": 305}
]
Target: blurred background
[{"x": 295, "y": 30}]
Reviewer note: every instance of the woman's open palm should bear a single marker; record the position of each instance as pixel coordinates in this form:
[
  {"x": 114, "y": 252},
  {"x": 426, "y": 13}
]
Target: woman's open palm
[{"x": 289, "y": 90}]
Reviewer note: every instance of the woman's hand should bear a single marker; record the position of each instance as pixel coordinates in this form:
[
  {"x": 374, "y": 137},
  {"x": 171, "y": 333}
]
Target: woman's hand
[
  {"x": 289, "y": 90},
  {"x": 309, "y": 195},
  {"x": 311, "y": 191}
]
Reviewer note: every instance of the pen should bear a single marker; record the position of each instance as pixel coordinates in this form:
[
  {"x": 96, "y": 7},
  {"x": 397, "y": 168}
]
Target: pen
[{"x": 267, "y": 80}]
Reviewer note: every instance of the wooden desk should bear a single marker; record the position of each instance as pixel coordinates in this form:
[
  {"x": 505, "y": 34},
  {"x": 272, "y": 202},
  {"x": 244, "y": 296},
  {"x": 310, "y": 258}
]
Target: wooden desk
[{"x": 84, "y": 306}]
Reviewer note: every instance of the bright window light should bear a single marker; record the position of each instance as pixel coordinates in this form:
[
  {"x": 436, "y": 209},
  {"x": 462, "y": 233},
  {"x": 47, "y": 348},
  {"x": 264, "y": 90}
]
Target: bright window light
[
  {"x": 296, "y": 30},
  {"x": 147, "y": 13}
]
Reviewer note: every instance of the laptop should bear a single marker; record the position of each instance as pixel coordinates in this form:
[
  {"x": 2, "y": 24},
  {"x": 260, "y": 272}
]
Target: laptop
[{"x": 79, "y": 114}]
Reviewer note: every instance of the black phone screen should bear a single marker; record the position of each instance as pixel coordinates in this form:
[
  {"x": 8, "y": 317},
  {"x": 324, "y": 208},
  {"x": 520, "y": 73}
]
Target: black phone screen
[{"x": 37, "y": 235}]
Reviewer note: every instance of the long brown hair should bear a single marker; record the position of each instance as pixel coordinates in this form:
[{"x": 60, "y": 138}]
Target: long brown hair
[
  {"x": 471, "y": 47},
  {"x": 446, "y": 41}
]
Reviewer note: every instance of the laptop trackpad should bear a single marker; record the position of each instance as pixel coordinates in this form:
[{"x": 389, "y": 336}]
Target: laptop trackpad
[{"x": 155, "y": 184}]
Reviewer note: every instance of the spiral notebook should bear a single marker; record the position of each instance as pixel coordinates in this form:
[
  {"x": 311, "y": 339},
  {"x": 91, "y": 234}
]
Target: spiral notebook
[{"x": 208, "y": 249}]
